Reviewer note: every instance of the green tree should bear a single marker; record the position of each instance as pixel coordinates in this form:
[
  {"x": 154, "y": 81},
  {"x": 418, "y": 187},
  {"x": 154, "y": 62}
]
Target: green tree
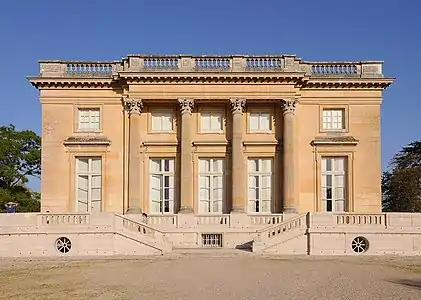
[
  {"x": 20, "y": 158},
  {"x": 401, "y": 184}
]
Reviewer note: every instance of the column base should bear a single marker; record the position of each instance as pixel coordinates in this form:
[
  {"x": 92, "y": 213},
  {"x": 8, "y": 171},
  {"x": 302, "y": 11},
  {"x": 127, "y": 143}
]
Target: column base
[
  {"x": 289, "y": 210},
  {"x": 238, "y": 209},
  {"x": 239, "y": 219},
  {"x": 186, "y": 210},
  {"x": 134, "y": 210}
]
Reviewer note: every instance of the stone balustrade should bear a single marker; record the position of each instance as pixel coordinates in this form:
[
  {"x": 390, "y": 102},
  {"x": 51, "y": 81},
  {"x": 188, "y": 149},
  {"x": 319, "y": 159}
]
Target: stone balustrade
[
  {"x": 209, "y": 63},
  {"x": 204, "y": 220},
  {"x": 67, "y": 219}
]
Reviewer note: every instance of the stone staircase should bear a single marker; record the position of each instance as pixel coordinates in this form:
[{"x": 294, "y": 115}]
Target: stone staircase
[{"x": 280, "y": 234}]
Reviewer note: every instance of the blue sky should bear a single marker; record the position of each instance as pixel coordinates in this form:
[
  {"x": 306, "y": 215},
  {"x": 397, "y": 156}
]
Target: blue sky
[{"x": 313, "y": 30}]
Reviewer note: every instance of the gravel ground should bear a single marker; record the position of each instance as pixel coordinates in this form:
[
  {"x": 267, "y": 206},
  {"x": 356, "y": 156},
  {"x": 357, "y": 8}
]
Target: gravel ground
[{"x": 213, "y": 275}]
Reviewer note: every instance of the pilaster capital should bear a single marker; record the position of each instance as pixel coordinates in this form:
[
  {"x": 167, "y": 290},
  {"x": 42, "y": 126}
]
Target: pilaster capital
[
  {"x": 133, "y": 106},
  {"x": 186, "y": 105},
  {"x": 237, "y": 105},
  {"x": 289, "y": 105}
]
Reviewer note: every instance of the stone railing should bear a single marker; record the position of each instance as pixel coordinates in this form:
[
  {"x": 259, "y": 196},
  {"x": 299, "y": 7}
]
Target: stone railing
[
  {"x": 212, "y": 220},
  {"x": 121, "y": 222},
  {"x": 271, "y": 232},
  {"x": 271, "y": 219},
  {"x": 340, "y": 220},
  {"x": 162, "y": 220},
  {"x": 66, "y": 219},
  {"x": 209, "y": 63}
]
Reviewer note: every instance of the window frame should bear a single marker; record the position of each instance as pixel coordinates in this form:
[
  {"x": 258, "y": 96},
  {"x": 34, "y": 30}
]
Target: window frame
[
  {"x": 334, "y": 173},
  {"x": 211, "y": 110},
  {"x": 169, "y": 111},
  {"x": 77, "y": 111},
  {"x": 260, "y": 112},
  {"x": 261, "y": 175},
  {"x": 212, "y": 175},
  {"x": 90, "y": 174},
  {"x": 345, "y": 118},
  {"x": 162, "y": 175}
]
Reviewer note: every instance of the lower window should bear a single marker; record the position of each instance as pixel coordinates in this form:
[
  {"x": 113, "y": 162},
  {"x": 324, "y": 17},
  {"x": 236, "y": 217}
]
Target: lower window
[
  {"x": 89, "y": 184},
  {"x": 259, "y": 185},
  {"x": 162, "y": 185},
  {"x": 333, "y": 184},
  {"x": 211, "y": 185}
]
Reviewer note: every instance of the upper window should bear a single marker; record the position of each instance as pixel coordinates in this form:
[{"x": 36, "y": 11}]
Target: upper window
[
  {"x": 333, "y": 119},
  {"x": 162, "y": 120},
  {"x": 260, "y": 121},
  {"x": 211, "y": 121},
  {"x": 88, "y": 119}
]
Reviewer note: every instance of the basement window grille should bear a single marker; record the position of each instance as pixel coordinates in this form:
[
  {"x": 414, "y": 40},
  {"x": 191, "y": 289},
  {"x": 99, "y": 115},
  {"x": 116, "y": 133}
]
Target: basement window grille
[{"x": 212, "y": 240}]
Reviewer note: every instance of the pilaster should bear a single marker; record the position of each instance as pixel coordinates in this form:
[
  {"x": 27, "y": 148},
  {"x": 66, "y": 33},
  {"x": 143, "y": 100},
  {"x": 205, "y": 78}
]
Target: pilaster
[
  {"x": 134, "y": 108},
  {"x": 186, "y": 170},
  {"x": 238, "y": 170},
  {"x": 290, "y": 164}
]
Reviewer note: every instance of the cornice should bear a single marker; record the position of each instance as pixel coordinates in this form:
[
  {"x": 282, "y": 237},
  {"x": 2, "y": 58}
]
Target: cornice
[
  {"x": 60, "y": 82},
  {"x": 334, "y": 140},
  {"x": 347, "y": 83},
  {"x": 213, "y": 78},
  {"x": 86, "y": 141}
]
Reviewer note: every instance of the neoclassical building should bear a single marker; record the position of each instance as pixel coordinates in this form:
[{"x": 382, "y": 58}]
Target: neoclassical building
[{"x": 210, "y": 135}]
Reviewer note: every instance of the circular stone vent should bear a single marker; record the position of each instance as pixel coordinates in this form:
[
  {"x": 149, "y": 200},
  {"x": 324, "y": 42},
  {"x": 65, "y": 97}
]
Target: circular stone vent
[
  {"x": 359, "y": 244},
  {"x": 63, "y": 244}
]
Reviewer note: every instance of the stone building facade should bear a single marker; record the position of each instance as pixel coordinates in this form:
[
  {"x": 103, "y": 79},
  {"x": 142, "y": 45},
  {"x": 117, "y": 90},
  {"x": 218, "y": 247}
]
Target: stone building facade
[{"x": 196, "y": 135}]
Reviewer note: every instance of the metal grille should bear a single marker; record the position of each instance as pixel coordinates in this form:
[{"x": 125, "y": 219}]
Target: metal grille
[{"x": 212, "y": 240}]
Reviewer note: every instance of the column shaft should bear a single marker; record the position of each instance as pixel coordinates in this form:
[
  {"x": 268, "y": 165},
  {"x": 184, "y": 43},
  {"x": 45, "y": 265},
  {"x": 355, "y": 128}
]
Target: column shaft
[
  {"x": 186, "y": 159},
  {"x": 289, "y": 157},
  {"x": 237, "y": 157},
  {"x": 134, "y": 108}
]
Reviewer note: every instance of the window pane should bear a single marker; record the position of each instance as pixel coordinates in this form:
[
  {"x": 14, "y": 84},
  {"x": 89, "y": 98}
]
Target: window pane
[
  {"x": 204, "y": 182},
  {"x": 205, "y": 121},
  {"x": 329, "y": 205},
  {"x": 264, "y": 121},
  {"x": 156, "y": 122},
  {"x": 216, "y": 121},
  {"x": 253, "y": 165},
  {"x": 254, "y": 121},
  {"x": 83, "y": 164},
  {"x": 339, "y": 164},
  {"x": 267, "y": 165},
  {"x": 328, "y": 180},
  {"x": 167, "y": 122},
  {"x": 339, "y": 205},
  {"x": 96, "y": 165},
  {"x": 204, "y": 165},
  {"x": 166, "y": 165},
  {"x": 155, "y": 165},
  {"x": 218, "y": 165},
  {"x": 266, "y": 206}
]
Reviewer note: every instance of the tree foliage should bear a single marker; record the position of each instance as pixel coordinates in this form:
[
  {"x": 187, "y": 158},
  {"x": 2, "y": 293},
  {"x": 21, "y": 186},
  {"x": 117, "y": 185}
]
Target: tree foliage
[
  {"x": 401, "y": 185},
  {"x": 20, "y": 158}
]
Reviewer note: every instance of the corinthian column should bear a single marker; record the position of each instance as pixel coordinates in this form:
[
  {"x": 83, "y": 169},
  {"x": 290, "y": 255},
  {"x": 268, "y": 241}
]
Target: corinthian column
[
  {"x": 186, "y": 182},
  {"x": 238, "y": 171},
  {"x": 290, "y": 157},
  {"x": 134, "y": 108}
]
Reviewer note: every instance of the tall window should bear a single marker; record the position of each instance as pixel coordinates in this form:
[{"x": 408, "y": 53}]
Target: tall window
[
  {"x": 259, "y": 121},
  {"x": 211, "y": 121},
  {"x": 89, "y": 184},
  {"x": 333, "y": 119},
  {"x": 162, "y": 120},
  {"x": 88, "y": 119},
  {"x": 211, "y": 185},
  {"x": 260, "y": 184},
  {"x": 162, "y": 185},
  {"x": 333, "y": 184}
]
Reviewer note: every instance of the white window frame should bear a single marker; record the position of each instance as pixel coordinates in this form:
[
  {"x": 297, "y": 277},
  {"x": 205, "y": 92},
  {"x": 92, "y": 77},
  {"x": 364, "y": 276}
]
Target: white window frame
[
  {"x": 90, "y": 173},
  {"x": 212, "y": 114},
  {"x": 162, "y": 175},
  {"x": 93, "y": 118},
  {"x": 211, "y": 175},
  {"x": 259, "y": 114},
  {"x": 251, "y": 202},
  {"x": 331, "y": 121},
  {"x": 162, "y": 114},
  {"x": 335, "y": 186}
]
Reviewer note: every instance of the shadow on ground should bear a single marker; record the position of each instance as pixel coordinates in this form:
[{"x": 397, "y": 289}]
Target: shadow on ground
[{"x": 416, "y": 284}]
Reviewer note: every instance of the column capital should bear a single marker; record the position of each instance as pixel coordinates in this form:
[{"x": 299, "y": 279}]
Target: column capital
[
  {"x": 133, "y": 106},
  {"x": 288, "y": 105},
  {"x": 237, "y": 105},
  {"x": 186, "y": 105}
]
